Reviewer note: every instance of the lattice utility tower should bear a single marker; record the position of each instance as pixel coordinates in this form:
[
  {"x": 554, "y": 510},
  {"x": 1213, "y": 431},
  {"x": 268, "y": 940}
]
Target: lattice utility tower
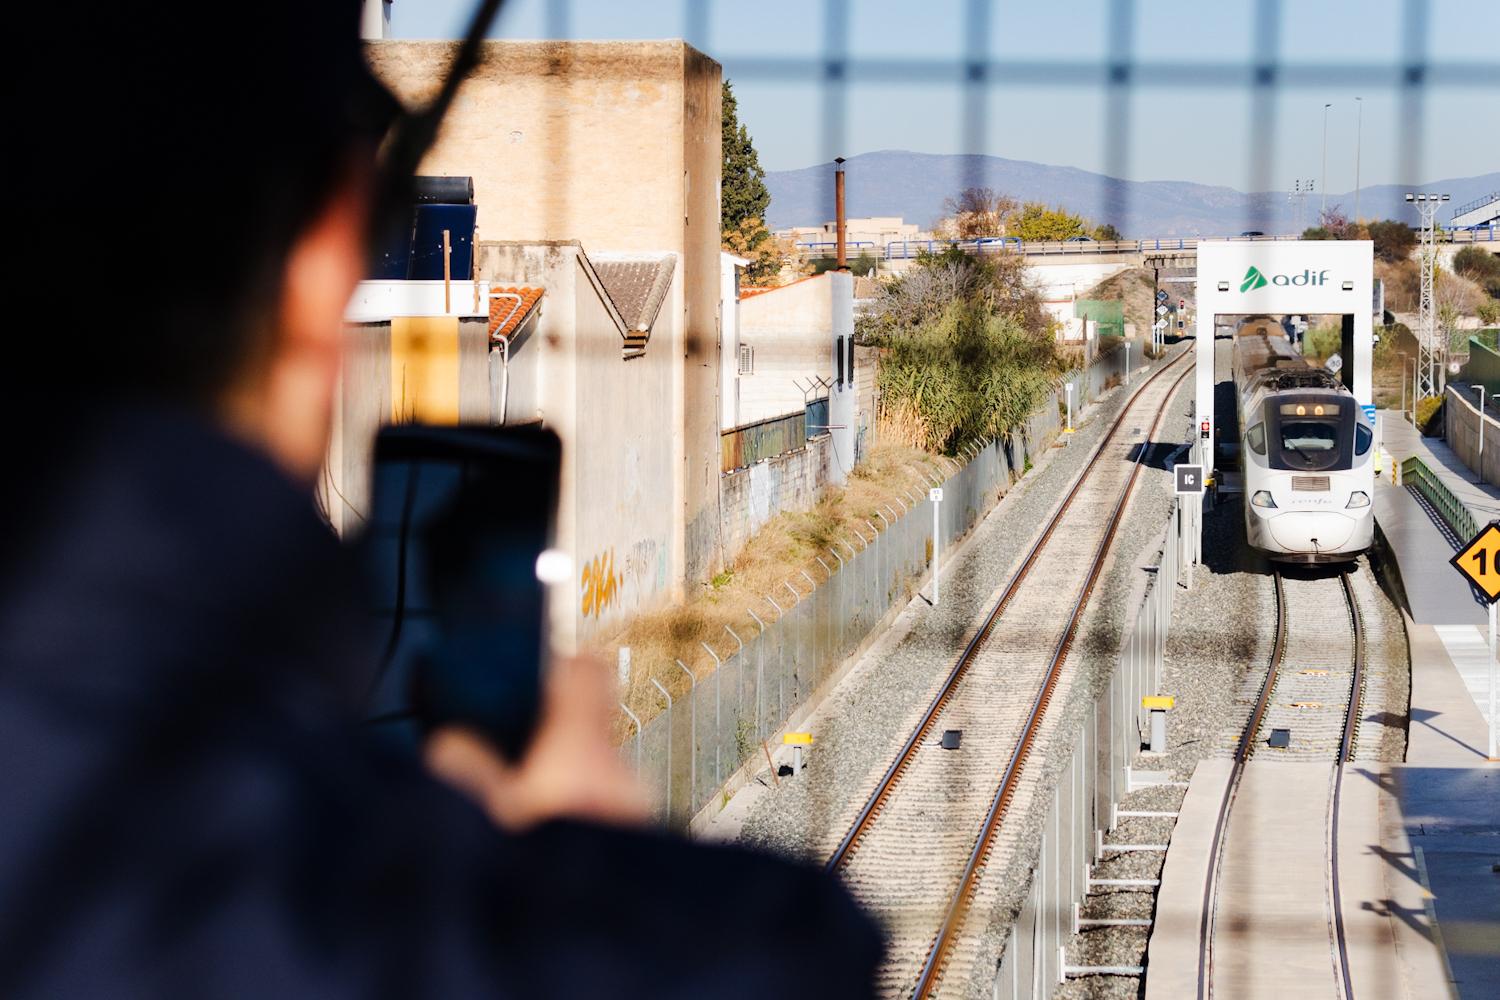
[{"x": 1432, "y": 352}]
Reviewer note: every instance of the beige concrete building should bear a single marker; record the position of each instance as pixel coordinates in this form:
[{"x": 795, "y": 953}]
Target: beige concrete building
[
  {"x": 873, "y": 233},
  {"x": 786, "y": 340},
  {"x": 596, "y": 170}
]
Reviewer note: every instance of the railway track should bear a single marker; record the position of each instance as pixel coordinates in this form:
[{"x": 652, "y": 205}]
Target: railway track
[
  {"x": 1310, "y": 703},
  {"x": 916, "y": 851}
]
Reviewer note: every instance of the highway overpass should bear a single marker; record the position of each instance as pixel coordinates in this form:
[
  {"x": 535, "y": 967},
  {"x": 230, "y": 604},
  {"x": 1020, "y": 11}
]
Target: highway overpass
[{"x": 1163, "y": 252}]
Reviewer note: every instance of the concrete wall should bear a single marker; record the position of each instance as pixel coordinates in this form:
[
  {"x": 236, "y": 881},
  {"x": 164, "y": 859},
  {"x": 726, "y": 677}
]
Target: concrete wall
[
  {"x": 1063, "y": 284},
  {"x": 791, "y": 331},
  {"x": 615, "y": 516},
  {"x": 615, "y": 145},
  {"x": 730, "y": 272},
  {"x": 620, "y": 473},
  {"x": 751, "y": 497},
  {"x": 1461, "y": 432},
  {"x": 702, "y": 145},
  {"x": 867, "y": 398}
]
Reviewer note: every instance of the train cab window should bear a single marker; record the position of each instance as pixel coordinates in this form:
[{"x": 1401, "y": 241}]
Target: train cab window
[
  {"x": 1363, "y": 437},
  {"x": 1310, "y": 434},
  {"x": 1255, "y": 437}
]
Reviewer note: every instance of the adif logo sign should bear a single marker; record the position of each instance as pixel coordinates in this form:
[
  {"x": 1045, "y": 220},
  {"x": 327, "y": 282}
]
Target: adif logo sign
[{"x": 1255, "y": 279}]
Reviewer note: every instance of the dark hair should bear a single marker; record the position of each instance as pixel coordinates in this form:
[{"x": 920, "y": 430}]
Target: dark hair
[{"x": 165, "y": 159}]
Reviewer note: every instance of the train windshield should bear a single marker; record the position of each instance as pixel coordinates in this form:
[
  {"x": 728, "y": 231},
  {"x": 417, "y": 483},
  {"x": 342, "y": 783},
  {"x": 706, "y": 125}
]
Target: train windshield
[{"x": 1310, "y": 433}]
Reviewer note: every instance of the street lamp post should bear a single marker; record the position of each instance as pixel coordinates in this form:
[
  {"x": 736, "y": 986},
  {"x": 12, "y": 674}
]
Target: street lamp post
[
  {"x": 1480, "y": 390},
  {"x": 1414, "y": 392},
  {"x": 1404, "y": 359},
  {"x": 1323, "y": 181}
]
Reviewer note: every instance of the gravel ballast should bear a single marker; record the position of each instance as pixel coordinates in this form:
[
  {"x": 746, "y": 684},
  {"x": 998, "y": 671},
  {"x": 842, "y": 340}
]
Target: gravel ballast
[
  {"x": 1218, "y": 649},
  {"x": 862, "y": 723}
]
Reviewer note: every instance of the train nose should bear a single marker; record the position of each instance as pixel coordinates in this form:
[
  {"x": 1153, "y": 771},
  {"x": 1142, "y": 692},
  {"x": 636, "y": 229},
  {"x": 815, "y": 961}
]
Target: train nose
[{"x": 1311, "y": 531}]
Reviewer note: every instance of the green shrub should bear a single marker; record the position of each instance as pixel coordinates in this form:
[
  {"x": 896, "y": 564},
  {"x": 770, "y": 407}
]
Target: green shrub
[
  {"x": 967, "y": 374},
  {"x": 1430, "y": 415},
  {"x": 1477, "y": 264},
  {"x": 1393, "y": 240},
  {"x": 1322, "y": 342}
]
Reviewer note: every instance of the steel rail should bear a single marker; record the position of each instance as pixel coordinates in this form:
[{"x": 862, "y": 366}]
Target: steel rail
[
  {"x": 968, "y": 885},
  {"x": 1346, "y": 753},
  {"x": 1231, "y": 789},
  {"x": 1242, "y": 755},
  {"x": 888, "y": 781}
]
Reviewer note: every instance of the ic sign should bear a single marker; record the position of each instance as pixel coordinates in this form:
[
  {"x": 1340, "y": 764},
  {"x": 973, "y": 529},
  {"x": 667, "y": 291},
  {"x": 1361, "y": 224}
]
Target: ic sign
[{"x": 1189, "y": 478}]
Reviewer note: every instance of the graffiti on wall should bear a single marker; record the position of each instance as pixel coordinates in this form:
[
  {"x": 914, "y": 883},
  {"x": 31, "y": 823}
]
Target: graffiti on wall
[{"x": 601, "y": 584}]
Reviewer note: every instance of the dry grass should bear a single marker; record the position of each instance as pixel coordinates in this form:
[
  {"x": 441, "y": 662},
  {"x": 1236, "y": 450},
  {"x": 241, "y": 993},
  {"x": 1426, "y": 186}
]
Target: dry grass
[
  {"x": 776, "y": 557},
  {"x": 1135, "y": 288}
]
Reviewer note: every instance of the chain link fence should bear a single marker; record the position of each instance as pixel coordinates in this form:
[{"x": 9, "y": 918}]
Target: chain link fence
[{"x": 814, "y": 621}]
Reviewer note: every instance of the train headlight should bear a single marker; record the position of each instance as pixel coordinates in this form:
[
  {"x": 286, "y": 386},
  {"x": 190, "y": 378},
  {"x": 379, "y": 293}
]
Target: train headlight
[
  {"x": 1359, "y": 498},
  {"x": 1262, "y": 498}
]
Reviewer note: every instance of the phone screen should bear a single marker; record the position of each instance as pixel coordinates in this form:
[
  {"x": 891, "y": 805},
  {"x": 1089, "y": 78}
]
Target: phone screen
[{"x": 459, "y": 517}]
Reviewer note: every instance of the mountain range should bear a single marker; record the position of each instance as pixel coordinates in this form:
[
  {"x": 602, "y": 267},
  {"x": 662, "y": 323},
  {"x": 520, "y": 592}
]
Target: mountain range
[{"x": 915, "y": 185}]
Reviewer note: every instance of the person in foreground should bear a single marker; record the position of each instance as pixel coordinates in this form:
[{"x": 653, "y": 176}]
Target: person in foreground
[{"x": 187, "y": 807}]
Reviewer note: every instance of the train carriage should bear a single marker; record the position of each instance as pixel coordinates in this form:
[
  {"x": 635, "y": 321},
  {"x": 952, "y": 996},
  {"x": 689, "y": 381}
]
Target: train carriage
[{"x": 1306, "y": 449}]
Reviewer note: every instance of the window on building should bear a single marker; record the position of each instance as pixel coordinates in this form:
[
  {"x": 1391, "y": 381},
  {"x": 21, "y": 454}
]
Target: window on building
[{"x": 747, "y": 359}]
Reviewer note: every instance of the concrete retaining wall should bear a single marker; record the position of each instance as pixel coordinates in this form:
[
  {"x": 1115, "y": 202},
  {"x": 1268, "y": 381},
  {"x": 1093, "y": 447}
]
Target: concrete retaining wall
[{"x": 751, "y": 497}]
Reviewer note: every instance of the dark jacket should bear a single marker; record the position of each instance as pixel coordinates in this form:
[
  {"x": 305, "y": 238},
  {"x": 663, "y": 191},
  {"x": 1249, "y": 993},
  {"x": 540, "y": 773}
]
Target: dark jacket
[{"x": 187, "y": 807}]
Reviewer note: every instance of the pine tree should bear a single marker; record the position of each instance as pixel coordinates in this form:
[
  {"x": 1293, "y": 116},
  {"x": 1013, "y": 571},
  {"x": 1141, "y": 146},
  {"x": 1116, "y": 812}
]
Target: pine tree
[{"x": 744, "y": 194}]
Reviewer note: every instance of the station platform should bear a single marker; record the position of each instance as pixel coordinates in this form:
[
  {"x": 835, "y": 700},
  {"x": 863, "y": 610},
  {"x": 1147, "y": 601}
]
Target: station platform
[
  {"x": 1418, "y": 541},
  {"x": 1444, "y": 613},
  {"x": 1419, "y": 850}
]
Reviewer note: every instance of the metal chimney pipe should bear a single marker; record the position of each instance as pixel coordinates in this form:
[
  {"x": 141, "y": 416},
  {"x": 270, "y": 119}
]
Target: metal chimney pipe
[{"x": 838, "y": 208}]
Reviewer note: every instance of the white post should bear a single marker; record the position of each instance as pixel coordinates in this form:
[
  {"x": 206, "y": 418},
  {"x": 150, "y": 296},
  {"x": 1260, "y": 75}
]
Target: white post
[
  {"x": 1493, "y": 754},
  {"x": 936, "y": 496},
  {"x": 1069, "y": 388},
  {"x": 1479, "y": 461}
]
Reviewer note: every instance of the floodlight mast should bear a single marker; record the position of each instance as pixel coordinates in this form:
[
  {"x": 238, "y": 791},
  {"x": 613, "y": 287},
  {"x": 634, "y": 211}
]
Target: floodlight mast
[{"x": 1432, "y": 353}]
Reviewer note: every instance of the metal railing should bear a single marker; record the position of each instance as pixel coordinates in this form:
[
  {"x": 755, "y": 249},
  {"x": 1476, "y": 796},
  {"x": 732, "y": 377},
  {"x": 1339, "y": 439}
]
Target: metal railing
[
  {"x": 912, "y": 249},
  {"x": 1415, "y": 473},
  {"x": 1480, "y": 202},
  {"x": 743, "y": 446}
]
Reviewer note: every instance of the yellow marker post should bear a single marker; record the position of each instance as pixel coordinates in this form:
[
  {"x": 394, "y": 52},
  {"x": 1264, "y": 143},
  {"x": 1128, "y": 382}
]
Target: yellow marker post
[
  {"x": 797, "y": 741},
  {"x": 1158, "y": 704}
]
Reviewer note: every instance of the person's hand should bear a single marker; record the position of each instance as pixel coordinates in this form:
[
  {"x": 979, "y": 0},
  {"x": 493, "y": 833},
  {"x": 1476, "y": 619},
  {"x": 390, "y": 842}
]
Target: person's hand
[{"x": 571, "y": 770}]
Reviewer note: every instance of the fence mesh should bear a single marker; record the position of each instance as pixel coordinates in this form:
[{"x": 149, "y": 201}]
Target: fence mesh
[{"x": 814, "y": 622}]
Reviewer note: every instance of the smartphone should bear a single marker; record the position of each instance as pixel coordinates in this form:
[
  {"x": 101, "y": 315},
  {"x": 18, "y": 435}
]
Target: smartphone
[{"x": 459, "y": 518}]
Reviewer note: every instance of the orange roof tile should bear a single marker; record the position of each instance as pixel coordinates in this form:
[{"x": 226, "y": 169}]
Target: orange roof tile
[{"x": 506, "y": 316}]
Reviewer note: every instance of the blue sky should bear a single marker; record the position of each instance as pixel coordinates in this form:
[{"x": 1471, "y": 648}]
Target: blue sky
[{"x": 1185, "y": 118}]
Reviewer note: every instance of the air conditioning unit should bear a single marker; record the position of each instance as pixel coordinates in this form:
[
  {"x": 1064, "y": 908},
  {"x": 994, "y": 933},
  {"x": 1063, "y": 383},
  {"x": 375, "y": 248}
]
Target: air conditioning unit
[{"x": 747, "y": 359}]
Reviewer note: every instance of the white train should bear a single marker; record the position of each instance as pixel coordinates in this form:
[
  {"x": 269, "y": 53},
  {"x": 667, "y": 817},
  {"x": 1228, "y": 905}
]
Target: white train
[{"x": 1306, "y": 450}]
